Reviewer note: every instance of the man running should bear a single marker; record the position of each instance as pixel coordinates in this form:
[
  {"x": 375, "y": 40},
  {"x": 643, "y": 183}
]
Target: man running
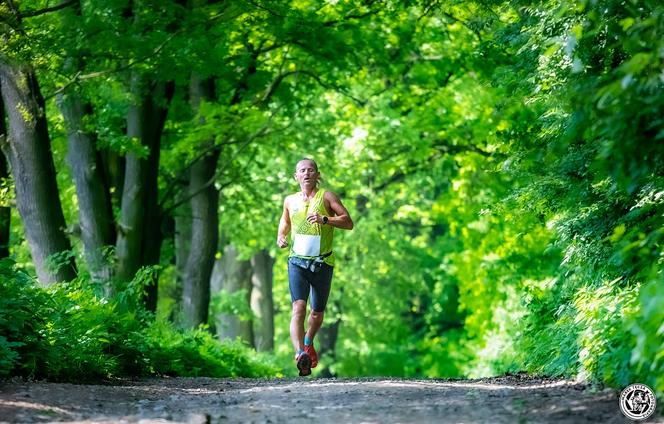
[{"x": 312, "y": 214}]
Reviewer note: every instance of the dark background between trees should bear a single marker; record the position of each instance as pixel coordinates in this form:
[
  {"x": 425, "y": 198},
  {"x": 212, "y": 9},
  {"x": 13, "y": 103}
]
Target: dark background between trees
[{"x": 502, "y": 162}]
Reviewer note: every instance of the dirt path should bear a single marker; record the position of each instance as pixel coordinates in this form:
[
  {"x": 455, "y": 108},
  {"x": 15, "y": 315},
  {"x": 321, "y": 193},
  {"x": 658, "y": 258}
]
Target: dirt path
[{"x": 200, "y": 400}]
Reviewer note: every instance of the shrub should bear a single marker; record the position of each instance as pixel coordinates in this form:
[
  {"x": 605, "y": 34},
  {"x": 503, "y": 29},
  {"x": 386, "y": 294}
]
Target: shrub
[{"x": 67, "y": 333}]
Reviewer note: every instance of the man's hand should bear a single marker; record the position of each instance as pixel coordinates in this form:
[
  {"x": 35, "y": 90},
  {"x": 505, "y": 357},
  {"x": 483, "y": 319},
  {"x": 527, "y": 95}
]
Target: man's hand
[
  {"x": 315, "y": 218},
  {"x": 284, "y": 227}
]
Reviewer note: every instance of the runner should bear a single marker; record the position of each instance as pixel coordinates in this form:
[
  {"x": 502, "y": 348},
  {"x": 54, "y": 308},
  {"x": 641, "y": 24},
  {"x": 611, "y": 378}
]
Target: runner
[{"x": 311, "y": 214}]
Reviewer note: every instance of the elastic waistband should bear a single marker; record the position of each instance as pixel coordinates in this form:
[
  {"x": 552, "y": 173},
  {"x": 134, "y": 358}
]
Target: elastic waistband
[{"x": 313, "y": 257}]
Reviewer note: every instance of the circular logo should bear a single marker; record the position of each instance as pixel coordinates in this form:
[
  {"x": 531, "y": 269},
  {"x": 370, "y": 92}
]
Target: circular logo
[{"x": 637, "y": 402}]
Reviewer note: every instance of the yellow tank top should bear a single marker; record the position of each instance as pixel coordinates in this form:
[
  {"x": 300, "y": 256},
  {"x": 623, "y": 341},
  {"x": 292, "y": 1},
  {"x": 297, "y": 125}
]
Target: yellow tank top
[{"x": 310, "y": 240}]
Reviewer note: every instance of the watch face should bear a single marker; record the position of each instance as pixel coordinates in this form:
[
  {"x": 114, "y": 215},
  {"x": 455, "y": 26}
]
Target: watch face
[{"x": 325, "y": 219}]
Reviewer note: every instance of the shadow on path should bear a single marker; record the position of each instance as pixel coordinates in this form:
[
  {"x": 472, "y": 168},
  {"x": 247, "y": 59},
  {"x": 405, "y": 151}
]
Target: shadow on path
[{"x": 200, "y": 400}]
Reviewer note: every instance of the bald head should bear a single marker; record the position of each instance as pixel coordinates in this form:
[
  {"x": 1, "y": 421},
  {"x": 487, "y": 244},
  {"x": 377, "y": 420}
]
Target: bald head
[
  {"x": 306, "y": 173},
  {"x": 304, "y": 162}
]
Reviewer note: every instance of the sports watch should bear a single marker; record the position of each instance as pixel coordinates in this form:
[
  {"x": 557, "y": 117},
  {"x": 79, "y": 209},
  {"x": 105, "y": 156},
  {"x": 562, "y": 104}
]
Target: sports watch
[{"x": 325, "y": 219}]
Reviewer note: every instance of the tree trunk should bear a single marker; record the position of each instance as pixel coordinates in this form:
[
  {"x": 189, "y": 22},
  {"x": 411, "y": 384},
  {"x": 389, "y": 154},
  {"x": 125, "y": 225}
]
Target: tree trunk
[
  {"x": 28, "y": 148},
  {"x": 113, "y": 165},
  {"x": 262, "y": 304},
  {"x": 204, "y": 230},
  {"x": 94, "y": 205},
  {"x": 204, "y": 220},
  {"x": 95, "y": 213},
  {"x": 182, "y": 242},
  {"x": 140, "y": 237},
  {"x": 5, "y": 211},
  {"x": 230, "y": 275},
  {"x": 140, "y": 234}
]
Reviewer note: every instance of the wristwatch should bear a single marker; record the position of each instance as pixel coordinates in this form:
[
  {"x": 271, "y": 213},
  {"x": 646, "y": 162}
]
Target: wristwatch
[{"x": 325, "y": 219}]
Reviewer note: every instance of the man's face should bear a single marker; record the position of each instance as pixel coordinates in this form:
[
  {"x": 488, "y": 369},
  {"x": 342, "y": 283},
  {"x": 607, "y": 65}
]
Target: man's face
[{"x": 306, "y": 173}]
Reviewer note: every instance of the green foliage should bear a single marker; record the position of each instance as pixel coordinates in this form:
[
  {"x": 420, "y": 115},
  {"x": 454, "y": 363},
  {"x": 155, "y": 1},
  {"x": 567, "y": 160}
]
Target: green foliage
[
  {"x": 502, "y": 161},
  {"x": 67, "y": 333},
  {"x": 164, "y": 350},
  {"x": 234, "y": 303},
  {"x": 499, "y": 224},
  {"x": 648, "y": 328},
  {"x": 593, "y": 200}
]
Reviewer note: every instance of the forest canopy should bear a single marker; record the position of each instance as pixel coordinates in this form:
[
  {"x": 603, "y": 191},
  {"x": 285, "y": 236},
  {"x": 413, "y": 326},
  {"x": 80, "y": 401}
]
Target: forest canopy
[{"x": 502, "y": 161}]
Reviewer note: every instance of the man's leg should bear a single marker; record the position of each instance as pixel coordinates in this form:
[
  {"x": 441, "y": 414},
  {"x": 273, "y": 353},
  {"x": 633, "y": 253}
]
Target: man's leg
[
  {"x": 297, "y": 324},
  {"x": 314, "y": 323},
  {"x": 320, "y": 291},
  {"x": 299, "y": 289},
  {"x": 297, "y": 336}
]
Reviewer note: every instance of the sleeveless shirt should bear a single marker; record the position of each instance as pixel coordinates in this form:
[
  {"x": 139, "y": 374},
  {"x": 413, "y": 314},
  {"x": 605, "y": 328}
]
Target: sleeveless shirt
[{"x": 310, "y": 240}]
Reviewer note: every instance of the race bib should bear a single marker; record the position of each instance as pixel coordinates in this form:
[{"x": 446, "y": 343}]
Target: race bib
[{"x": 306, "y": 245}]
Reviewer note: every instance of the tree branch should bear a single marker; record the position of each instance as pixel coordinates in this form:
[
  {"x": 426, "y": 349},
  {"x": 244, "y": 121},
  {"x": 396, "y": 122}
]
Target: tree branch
[
  {"x": 453, "y": 149},
  {"x": 180, "y": 175},
  {"x": 16, "y": 22},
  {"x": 464, "y": 23},
  {"x": 350, "y": 17},
  {"x": 263, "y": 131},
  {"x": 270, "y": 11},
  {"x": 278, "y": 80},
  {"x": 212, "y": 180},
  {"x": 13, "y": 8},
  {"x": 274, "y": 85},
  {"x": 442, "y": 149},
  {"x": 31, "y": 13},
  {"x": 78, "y": 77},
  {"x": 326, "y": 23},
  {"x": 428, "y": 9}
]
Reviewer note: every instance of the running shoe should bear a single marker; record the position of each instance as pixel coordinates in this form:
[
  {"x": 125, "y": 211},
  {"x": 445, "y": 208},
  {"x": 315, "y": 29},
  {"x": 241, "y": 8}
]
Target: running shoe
[
  {"x": 309, "y": 349},
  {"x": 304, "y": 363}
]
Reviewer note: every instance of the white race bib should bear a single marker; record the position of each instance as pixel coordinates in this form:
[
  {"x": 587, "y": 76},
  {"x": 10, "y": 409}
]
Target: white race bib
[{"x": 306, "y": 245}]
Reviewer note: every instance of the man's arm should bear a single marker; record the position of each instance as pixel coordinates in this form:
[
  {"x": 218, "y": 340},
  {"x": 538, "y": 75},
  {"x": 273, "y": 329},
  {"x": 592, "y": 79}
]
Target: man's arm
[
  {"x": 284, "y": 227},
  {"x": 341, "y": 218}
]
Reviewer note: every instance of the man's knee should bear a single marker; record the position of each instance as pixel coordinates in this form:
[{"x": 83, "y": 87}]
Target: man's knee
[
  {"x": 299, "y": 308},
  {"x": 316, "y": 315}
]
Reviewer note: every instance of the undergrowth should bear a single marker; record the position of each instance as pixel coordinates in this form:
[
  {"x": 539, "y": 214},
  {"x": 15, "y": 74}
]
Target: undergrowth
[{"x": 68, "y": 332}]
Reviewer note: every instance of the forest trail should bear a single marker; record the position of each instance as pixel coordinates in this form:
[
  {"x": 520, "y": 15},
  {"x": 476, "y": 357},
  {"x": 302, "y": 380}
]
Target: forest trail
[{"x": 515, "y": 399}]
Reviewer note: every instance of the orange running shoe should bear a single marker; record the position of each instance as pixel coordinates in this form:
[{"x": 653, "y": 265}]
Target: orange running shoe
[
  {"x": 304, "y": 363},
  {"x": 309, "y": 349}
]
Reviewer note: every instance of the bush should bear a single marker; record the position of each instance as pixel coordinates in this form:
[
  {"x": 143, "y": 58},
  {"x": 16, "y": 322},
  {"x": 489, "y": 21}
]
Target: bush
[{"x": 67, "y": 333}]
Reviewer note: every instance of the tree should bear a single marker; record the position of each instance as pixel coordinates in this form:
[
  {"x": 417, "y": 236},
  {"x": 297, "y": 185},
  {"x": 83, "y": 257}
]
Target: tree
[
  {"x": 5, "y": 211},
  {"x": 140, "y": 222},
  {"x": 231, "y": 283},
  {"x": 204, "y": 225},
  {"x": 28, "y": 148},
  {"x": 85, "y": 160},
  {"x": 262, "y": 304}
]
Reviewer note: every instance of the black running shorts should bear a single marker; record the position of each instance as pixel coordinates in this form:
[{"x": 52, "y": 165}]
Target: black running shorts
[{"x": 303, "y": 280}]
